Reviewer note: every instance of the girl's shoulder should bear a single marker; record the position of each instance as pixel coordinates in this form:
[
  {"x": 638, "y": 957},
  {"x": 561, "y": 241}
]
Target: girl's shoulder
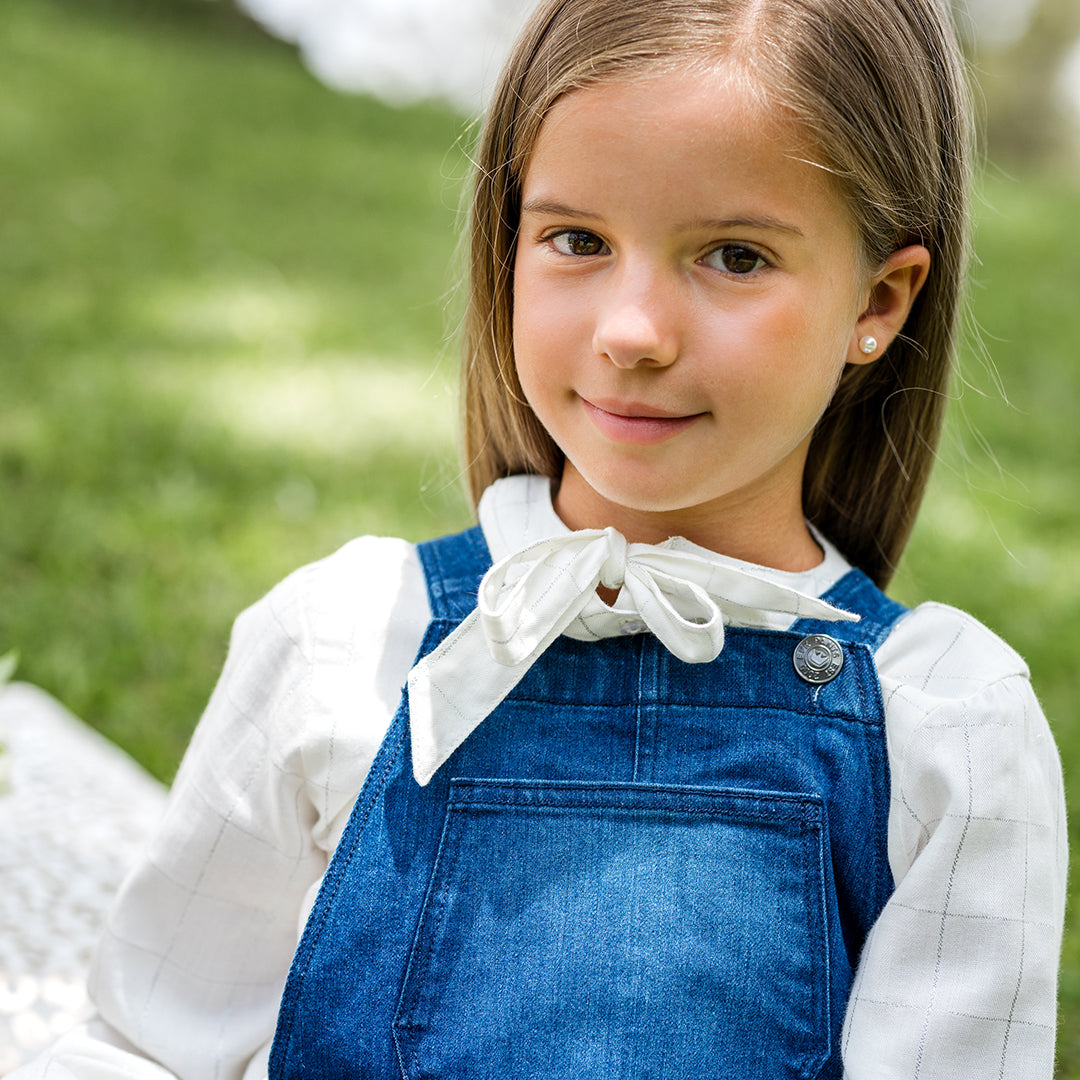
[
  {"x": 944, "y": 652},
  {"x": 314, "y": 675},
  {"x": 960, "y": 709},
  {"x": 358, "y": 590},
  {"x": 973, "y": 761},
  {"x": 326, "y": 642}
]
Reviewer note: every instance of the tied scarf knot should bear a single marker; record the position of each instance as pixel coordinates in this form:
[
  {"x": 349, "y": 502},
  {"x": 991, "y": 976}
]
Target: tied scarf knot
[
  {"x": 528, "y": 599},
  {"x": 522, "y": 602}
]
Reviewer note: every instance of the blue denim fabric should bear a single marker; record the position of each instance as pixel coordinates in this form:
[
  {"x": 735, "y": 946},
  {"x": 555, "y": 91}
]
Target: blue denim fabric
[{"x": 634, "y": 867}]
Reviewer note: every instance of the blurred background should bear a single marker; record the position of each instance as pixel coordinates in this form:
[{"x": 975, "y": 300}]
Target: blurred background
[{"x": 228, "y": 300}]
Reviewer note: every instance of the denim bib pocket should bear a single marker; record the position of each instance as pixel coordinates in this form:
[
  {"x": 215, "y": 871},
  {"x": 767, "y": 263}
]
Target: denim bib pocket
[{"x": 614, "y": 930}]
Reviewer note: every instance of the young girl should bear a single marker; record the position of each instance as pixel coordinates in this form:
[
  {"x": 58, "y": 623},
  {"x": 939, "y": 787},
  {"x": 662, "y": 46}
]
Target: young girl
[{"x": 674, "y": 790}]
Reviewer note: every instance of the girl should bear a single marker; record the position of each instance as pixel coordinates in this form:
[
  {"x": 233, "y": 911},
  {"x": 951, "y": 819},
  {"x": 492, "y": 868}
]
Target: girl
[{"x": 674, "y": 790}]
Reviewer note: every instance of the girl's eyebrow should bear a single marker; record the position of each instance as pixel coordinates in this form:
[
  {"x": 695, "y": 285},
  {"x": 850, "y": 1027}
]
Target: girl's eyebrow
[
  {"x": 556, "y": 209},
  {"x": 762, "y": 222},
  {"x": 750, "y": 221}
]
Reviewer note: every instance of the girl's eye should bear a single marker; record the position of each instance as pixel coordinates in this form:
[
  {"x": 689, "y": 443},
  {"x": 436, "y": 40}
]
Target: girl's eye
[
  {"x": 735, "y": 259},
  {"x": 573, "y": 242}
]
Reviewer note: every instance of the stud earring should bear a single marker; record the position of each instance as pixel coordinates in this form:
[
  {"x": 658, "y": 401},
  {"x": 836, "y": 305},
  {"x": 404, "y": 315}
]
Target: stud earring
[{"x": 868, "y": 345}]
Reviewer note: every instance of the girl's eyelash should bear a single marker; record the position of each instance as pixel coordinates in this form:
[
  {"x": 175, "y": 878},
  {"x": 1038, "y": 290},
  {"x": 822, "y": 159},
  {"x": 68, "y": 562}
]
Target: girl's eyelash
[
  {"x": 733, "y": 257},
  {"x": 581, "y": 237}
]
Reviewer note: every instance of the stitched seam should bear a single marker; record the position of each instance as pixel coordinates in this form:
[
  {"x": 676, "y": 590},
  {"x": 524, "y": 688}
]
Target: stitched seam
[{"x": 719, "y": 708}]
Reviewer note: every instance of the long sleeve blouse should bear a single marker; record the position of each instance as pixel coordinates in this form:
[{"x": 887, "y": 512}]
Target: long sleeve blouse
[{"x": 957, "y": 978}]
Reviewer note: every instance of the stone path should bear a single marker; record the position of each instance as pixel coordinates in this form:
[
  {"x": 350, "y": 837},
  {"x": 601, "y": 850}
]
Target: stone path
[{"x": 74, "y": 813}]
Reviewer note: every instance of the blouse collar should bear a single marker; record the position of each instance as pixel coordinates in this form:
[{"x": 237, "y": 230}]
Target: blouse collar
[
  {"x": 517, "y": 511},
  {"x": 543, "y": 584}
]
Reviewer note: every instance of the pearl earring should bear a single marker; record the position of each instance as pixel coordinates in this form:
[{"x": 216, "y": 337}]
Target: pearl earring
[{"x": 868, "y": 345}]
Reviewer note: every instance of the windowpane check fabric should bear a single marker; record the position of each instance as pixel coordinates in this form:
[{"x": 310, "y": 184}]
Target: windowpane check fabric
[{"x": 958, "y": 974}]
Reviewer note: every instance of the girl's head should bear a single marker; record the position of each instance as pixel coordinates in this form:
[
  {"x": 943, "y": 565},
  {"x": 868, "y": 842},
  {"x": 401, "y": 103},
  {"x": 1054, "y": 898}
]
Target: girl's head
[{"x": 874, "y": 92}]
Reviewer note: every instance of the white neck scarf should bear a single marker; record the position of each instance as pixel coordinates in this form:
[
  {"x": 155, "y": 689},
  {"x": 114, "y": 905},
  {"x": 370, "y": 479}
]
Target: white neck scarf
[{"x": 526, "y": 600}]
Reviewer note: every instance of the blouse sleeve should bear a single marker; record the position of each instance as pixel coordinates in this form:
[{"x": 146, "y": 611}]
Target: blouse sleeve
[
  {"x": 188, "y": 976},
  {"x": 959, "y": 975}
]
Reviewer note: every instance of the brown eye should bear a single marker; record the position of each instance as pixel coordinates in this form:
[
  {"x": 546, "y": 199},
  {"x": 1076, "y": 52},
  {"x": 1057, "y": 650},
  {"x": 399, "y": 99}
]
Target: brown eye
[
  {"x": 578, "y": 243},
  {"x": 736, "y": 259}
]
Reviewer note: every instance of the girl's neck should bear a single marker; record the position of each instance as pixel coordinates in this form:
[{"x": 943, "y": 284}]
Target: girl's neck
[{"x": 767, "y": 532}]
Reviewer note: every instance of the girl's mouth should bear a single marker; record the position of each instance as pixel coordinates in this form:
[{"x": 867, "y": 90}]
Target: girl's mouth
[{"x": 630, "y": 422}]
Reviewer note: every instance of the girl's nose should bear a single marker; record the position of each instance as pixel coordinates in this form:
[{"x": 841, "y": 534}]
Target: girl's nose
[{"x": 637, "y": 324}]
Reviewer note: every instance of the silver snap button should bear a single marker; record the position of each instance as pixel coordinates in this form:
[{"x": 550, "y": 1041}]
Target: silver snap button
[
  {"x": 632, "y": 626},
  {"x": 818, "y": 659}
]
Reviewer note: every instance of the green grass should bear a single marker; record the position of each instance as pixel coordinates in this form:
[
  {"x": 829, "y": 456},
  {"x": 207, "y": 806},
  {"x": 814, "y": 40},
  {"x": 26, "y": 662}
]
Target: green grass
[
  {"x": 223, "y": 321},
  {"x": 222, "y": 309}
]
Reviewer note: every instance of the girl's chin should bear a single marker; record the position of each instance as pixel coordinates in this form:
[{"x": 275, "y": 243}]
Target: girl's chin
[{"x": 597, "y": 501}]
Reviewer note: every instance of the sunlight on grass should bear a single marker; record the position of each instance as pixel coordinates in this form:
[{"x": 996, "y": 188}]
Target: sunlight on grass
[
  {"x": 333, "y": 406},
  {"x": 254, "y": 379},
  {"x": 245, "y": 368},
  {"x": 227, "y": 310}
]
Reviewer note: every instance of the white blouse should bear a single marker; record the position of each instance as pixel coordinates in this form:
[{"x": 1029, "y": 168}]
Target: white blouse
[{"x": 957, "y": 978}]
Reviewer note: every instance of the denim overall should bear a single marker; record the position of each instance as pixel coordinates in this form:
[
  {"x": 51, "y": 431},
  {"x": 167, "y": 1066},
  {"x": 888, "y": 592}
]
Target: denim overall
[{"x": 634, "y": 867}]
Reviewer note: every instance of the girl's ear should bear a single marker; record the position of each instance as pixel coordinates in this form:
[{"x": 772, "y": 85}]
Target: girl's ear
[{"x": 892, "y": 292}]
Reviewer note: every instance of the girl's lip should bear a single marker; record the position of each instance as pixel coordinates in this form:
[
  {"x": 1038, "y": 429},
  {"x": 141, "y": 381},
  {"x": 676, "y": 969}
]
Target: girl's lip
[{"x": 631, "y": 422}]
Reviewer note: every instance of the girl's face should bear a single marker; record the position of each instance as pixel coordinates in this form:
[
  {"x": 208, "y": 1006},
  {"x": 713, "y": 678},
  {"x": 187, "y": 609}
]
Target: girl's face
[{"x": 687, "y": 291}]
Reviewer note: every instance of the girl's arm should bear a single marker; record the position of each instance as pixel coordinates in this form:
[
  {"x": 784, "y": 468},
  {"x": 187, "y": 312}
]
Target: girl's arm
[
  {"x": 959, "y": 975},
  {"x": 188, "y": 976}
]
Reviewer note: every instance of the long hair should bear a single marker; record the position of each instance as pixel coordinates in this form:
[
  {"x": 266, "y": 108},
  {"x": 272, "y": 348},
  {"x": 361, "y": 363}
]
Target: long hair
[{"x": 878, "y": 89}]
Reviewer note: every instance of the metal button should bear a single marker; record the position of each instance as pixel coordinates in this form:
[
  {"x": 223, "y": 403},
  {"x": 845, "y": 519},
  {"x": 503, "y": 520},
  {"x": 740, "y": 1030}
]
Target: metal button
[
  {"x": 818, "y": 659},
  {"x": 632, "y": 626}
]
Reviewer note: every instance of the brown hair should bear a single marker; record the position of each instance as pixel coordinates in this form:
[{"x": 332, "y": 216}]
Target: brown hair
[{"x": 878, "y": 87}]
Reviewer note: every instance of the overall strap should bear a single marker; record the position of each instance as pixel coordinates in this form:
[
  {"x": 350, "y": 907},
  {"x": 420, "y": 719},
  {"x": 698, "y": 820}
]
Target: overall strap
[
  {"x": 855, "y": 592},
  {"x": 453, "y": 567}
]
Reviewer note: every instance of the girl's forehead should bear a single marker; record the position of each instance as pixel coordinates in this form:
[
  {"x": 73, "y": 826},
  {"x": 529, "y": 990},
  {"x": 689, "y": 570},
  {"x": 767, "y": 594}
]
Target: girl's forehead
[
  {"x": 702, "y": 103},
  {"x": 726, "y": 79},
  {"x": 694, "y": 129}
]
